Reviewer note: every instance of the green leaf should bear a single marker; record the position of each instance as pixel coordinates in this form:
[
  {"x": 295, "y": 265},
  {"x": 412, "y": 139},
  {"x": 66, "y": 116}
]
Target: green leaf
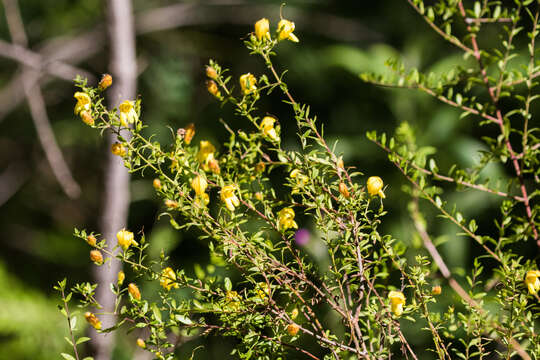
[
  {"x": 228, "y": 284},
  {"x": 67, "y": 356}
]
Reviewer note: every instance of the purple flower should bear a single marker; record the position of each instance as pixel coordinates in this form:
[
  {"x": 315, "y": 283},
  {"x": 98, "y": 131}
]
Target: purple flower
[{"x": 301, "y": 237}]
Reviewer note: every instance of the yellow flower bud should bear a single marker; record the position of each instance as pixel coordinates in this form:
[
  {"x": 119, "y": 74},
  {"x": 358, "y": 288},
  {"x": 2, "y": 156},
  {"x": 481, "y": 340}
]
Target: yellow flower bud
[
  {"x": 294, "y": 313},
  {"x": 118, "y": 150},
  {"x": 134, "y": 291},
  {"x": 232, "y": 299},
  {"x": 263, "y": 290},
  {"x": 125, "y": 239},
  {"x": 286, "y": 219},
  {"x": 374, "y": 186},
  {"x": 91, "y": 240},
  {"x": 262, "y": 29},
  {"x": 199, "y": 184},
  {"x": 141, "y": 343},
  {"x": 213, "y": 165},
  {"x": 128, "y": 115},
  {"x": 248, "y": 83},
  {"x": 202, "y": 200},
  {"x": 205, "y": 154},
  {"x": 340, "y": 164},
  {"x": 436, "y": 290},
  {"x": 213, "y": 88},
  {"x": 532, "y": 280},
  {"x": 292, "y": 329},
  {"x": 259, "y": 196},
  {"x": 96, "y": 257},
  {"x": 344, "y": 190},
  {"x": 397, "y": 300},
  {"x": 267, "y": 128},
  {"x": 285, "y": 30},
  {"x": 121, "y": 277},
  {"x": 211, "y": 72},
  {"x": 156, "y": 184},
  {"x": 92, "y": 320},
  {"x": 229, "y": 197},
  {"x": 87, "y": 118},
  {"x": 190, "y": 133},
  {"x": 105, "y": 82},
  {"x": 260, "y": 167},
  {"x": 83, "y": 102},
  {"x": 168, "y": 279}
]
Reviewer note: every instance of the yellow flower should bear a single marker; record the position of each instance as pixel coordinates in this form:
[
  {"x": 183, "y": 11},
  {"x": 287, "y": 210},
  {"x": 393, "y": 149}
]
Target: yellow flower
[
  {"x": 374, "y": 186},
  {"x": 87, "y": 118},
  {"x": 286, "y": 219},
  {"x": 285, "y": 30},
  {"x": 121, "y": 277},
  {"x": 83, "y": 102},
  {"x": 532, "y": 281},
  {"x": 128, "y": 115},
  {"x": 267, "y": 128},
  {"x": 105, "y": 82},
  {"x": 125, "y": 239},
  {"x": 199, "y": 184},
  {"x": 92, "y": 320},
  {"x": 292, "y": 329},
  {"x": 118, "y": 150},
  {"x": 205, "y": 154},
  {"x": 397, "y": 300},
  {"x": 248, "y": 83},
  {"x": 233, "y": 300},
  {"x": 134, "y": 291},
  {"x": 262, "y": 29},
  {"x": 168, "y": 279},
  {"x": 229, "y": 197},
  {"x": 141, "y": 343},
  {"x": 171, "y": 204},
  {"x": 263, "y": 290},
  {"x": 96, "y": 257},
  {"x": 212, "y": 88},
  {"x": 202, "y": 200},
  {"x": 301, "y": 179},
  {"x": 190, "y": 133}
]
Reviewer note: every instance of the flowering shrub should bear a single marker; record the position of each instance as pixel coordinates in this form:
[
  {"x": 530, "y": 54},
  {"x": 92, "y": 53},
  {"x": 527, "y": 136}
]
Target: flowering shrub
[{"x": 355, "y": 307}]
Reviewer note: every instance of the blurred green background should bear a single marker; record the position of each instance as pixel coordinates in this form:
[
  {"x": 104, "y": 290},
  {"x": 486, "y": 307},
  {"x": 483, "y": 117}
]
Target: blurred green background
[{"x": 338, "y": 40}]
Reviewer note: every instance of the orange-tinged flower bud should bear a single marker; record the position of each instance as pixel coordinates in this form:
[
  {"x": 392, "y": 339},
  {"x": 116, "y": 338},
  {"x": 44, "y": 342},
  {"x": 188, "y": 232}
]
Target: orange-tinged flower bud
[
  {"x": 125, "y": 239},
  {"x": 285, "y": 30},
  {"x": 121, "y": 277},
  {"x": 105, "y": 82},
  {"x": 211, "y": 72},
  {"x": 168, "y": 279},
  {"x": 262, "y": 29},
  {"x": 213, "y": 165},
  {"x": 374, "y": 186},
  {"x": 340, "y": 164},
  {"x": 92, "y": 320},
  {"x": 199, "y": 184},
  {"x": 248, "y": 83},
  {"x": 141, "y": 343},
  {"x": 190, "y": 133},
  {"x": 213, "y": 88},
  {"x": 87, "y": 118},
  {"x": 397, "y": 300},
  {"x": 267, "y": 128},
  {"x": 91, "y": 240},
  {"x": 260, "y": 167},
  {"x": 229, "y": 197},
  {"x": 259, "y": 196},
  {"x": 171, "y": 204},
  {"x": 156, "y": 184},
  {"x": 436, "y": 290},
  {"x": 84, "y": 102},
  {"x": 292, "y": 329},
  {"x": 118, "y": 150},
  {"x": 134, "y": 291},
  {"x": 532, "y": 280},
  {"x": 286, "y": 219},
  {"x": 96, "y": 257},
  {"x": 344, "y": 190}
]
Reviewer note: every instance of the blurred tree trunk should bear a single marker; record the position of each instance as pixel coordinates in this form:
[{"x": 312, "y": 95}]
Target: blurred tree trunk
[{"x": 116, "y": 195}]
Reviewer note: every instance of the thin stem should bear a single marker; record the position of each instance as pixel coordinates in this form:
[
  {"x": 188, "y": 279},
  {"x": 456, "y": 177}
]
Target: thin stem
[{"x": 66, "y": 308}]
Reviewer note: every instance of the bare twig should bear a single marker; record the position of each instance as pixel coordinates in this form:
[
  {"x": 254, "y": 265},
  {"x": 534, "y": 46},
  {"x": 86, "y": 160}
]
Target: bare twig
[
  {"x": 116, "y": 194},
  {"x": 38, "y": 109}
]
